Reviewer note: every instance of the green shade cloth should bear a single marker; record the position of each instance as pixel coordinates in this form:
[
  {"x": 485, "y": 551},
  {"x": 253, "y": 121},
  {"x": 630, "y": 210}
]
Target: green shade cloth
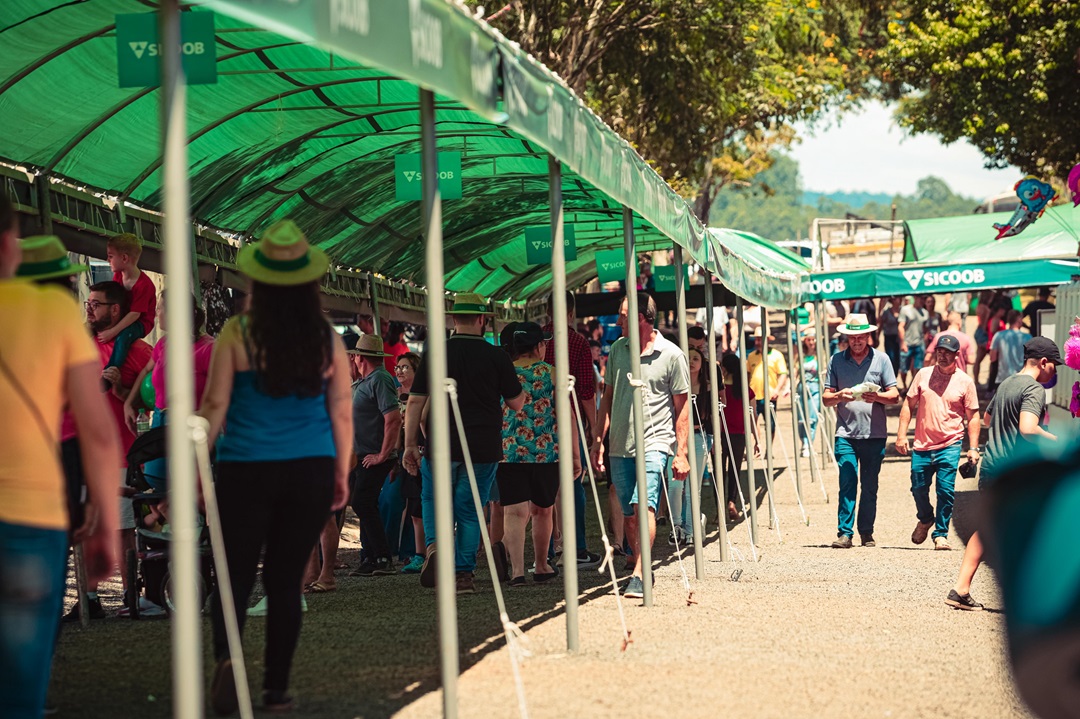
[
  {"x": 756, "y": 268},
  {"x": 970, "y": 238}
]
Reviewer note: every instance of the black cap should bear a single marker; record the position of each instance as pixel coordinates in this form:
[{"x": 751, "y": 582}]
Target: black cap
[
  {"x": 1042, "y": 348},
  {"x": 350, "y": 339},
  {"x": 948, "y": 342},
  {"x": 529, "y": 334},
  {"x": 506, "y": 337}
]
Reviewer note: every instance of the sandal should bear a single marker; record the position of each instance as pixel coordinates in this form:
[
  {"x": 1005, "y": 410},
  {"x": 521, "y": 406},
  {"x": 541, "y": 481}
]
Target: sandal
[
  {"x": 541, "y": 577},
  {"x": 518, "y": 581},
  {"x": 319, "y": 588},
  {"x": 277, "y": 702}
]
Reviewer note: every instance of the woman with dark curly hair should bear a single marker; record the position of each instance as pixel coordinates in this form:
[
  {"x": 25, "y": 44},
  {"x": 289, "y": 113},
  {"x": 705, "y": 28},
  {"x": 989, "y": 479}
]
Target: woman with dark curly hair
[{"x": 279, "y": 381}]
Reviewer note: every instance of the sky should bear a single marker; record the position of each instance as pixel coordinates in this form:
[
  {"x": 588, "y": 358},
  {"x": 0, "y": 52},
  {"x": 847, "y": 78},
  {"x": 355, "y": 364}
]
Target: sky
[{"x": 867, "y": 151}]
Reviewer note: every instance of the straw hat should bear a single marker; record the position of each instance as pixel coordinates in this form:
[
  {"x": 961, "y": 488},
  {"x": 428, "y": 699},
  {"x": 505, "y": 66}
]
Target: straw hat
[
  {"x": 369, "y": 346},
  {"x": 856, "y": 324},
  {"x": 469, "y": 303},
  {"x": 757, "y": 334},
  {"x": 282, "y": 257},
  {"x": 44, "y": 257}
]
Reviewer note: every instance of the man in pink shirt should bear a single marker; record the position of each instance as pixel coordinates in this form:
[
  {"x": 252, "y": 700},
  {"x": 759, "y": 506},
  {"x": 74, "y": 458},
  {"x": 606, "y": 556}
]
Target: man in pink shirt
[
  {"x": 941, "y": 399},
  {"x": 966, "y": 355}
]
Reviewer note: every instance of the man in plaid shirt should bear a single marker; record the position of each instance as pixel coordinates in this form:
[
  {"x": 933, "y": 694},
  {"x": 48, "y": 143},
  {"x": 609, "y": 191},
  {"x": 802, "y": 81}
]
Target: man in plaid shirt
[{"x": 581, "y": 367}]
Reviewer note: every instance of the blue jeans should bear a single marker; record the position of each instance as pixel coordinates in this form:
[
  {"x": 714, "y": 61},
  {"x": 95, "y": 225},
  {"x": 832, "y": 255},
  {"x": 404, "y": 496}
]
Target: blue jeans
[
  {"x": 679, "y": 492},
  {"x": 772, "y": 418},
  {"x": 623, "y": 471},
  {"x": 123, "y": 341},
  {"x": 923, "y": 466},
  {"x": 466, "y": 523},
  {"x": 808, "y": 430},
  {"x": 155, "y": 471},
  {"x": 32, "y": 567},
  {"x": 913, "y": 357},
  {"x": 859, "y": 461}
]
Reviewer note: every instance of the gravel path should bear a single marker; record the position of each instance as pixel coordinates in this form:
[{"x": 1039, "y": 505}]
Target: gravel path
[{"x": 806, "y": 632}]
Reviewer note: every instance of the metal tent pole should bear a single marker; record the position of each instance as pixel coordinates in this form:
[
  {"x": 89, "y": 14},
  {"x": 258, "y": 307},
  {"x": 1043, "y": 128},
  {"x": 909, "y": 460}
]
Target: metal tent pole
[
  {"x": 562, "y": 405},
  {"x": 439, "y": 456},
  {"x": 714, "y": 409},
  {"x": 748, "y": 425},
  {"x": 815, "y": 475},
  {"x": 695, "y": 486},
  {"x": 823, "y": 365},
  {"x": 180, "y": 373},
  {"x": 767, "y": 404},
  {"x": 639, "y": 406},
  {"x": 793, "y": 327}
]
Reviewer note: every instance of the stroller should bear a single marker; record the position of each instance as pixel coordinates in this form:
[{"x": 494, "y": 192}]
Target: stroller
[{"x": 147, "y": 566}]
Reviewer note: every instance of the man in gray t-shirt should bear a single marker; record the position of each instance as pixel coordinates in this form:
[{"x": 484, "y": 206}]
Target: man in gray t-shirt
[
  {"x": 666, "y": 419},
  {"x": 1012, "y": 418},
  {"x": 912, "y": 328},
  {"x": 376, "y": 426}
]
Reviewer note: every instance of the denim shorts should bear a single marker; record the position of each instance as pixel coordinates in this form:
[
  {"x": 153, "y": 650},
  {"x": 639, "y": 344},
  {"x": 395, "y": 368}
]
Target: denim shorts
[{"x": 623, "y": 471}]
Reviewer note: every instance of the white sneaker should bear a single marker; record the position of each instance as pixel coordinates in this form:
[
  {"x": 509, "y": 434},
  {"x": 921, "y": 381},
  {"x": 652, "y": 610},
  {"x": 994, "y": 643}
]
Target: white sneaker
[
  {"x": 259, "y": 610},
  {"x": 806, "y": 449}
]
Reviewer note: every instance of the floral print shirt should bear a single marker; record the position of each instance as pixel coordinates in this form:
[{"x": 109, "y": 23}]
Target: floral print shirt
[{"x": 529, "y": 434}]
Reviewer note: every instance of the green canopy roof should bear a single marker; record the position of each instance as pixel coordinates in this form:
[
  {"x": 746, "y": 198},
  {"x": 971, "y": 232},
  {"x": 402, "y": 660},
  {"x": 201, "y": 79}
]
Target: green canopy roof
[
  {"x": 970, "y": 238},
  {"x": 313, "y": 102},
  {"x": 765, "y": 273}
]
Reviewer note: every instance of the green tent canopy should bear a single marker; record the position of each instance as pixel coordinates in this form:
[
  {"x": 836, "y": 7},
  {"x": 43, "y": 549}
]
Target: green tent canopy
[
  {"x": 968, "y": 238},
  {"x": 765, "y": 273}
]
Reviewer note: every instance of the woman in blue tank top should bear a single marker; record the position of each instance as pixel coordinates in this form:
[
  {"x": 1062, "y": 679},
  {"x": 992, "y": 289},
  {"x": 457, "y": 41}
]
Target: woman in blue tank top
[{"x": 279, "y": 386}]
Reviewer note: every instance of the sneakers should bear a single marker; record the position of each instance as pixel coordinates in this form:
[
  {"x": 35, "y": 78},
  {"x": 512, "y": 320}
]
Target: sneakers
[
  {"x": 805, "y": 449},
  {"x": 259, "y": 610},
  {"x": 842, "y": 542},
  {"x": 962, "y": 601},
  {"x": 941, "y": 543},
  {"x": 427, "y": 570},
  {"x": 502, "y": 562},
  {"x": 867, "y": 540},
  {"x": 223, "y": 689},
  {"x": 588, "y": 560},
  {"x": 465, "y": 583},
  {"x": 921, "y": 530},
  {"x": 277, "y": 702},
  {"x": 635, "y": 588},
  {"x": 414, "y": 566},
  {"x": 381, "y": 567},
  {"x": 147, "y": 610},
  {"x": 93, "y": 604}
]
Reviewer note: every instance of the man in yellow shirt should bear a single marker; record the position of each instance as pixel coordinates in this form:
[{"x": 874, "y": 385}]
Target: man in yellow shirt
[
  {"x": 778, "y": 376},
  {"x": 47, "y": 361}
]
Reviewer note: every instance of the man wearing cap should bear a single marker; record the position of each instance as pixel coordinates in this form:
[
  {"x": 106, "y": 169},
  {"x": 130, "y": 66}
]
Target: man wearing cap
[
  {"x": 966, "y": 356},
  {"x": 778, "y": 376},
  {"x": 666, "y": 376},
  {"x": 861, "y": 431},
  {"x": 942, "y": 398},
  {"x": 1012, "y": 420},
  {"x": 376, "y": 427},
  {"x": 485, "y": 379}
]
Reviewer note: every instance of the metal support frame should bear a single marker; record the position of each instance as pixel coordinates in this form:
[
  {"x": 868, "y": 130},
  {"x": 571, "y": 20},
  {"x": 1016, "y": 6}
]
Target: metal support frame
[
  {"x": 748, "y": 423},
  {"x": 691, "y": 454},
  {"x": 714, "y": 409},
  {"x": 634, "y": 328},
  {"x": 815, "y": 475},
  {"x": 439, "y": 456},
  {"x": 187, "y": 671},
  {"x": 792, "y": 339},
  {"x": 767, "y": 404},
  {"x": 825, "y": 421},
  {"x": 563, "y": 409}
]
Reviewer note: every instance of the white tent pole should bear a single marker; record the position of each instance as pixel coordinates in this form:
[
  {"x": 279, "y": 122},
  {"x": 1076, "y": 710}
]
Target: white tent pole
[
  {"x": 747, "y": 423},
  {"x": 804, "y": 393},
  {"x": 691, "y": 455},
  {"x": 767, "y": 405},
  {"x": 793, "y": 328},
  {"x": 562, "y": 405},
  {"x": 439, "y": 454},
  {"x": 714, "y": 410},
  {"x": 639, "y": 405},
  {"x": 180, "y": 379},
  {"x": 823, "y": 366}
]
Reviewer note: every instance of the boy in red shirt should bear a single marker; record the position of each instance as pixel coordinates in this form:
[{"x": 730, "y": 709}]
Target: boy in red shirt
[{"x": 123, "y": 255}]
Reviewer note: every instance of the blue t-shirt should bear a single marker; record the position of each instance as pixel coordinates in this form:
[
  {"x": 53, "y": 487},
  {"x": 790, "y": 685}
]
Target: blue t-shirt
[
  {"x": 1010, "y": 348},
  {"x": 860, "y": 420}
]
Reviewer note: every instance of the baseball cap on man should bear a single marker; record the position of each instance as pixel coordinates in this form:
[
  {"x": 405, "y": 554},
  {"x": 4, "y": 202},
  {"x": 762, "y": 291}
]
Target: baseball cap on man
[
  {"x": 948, "y": 342},
  {"x": 529, "y": 334},
  {"x": 1042, "y": 348}
]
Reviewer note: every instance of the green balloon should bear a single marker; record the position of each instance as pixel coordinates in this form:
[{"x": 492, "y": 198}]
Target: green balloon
[{"x": 146, "y": 392}]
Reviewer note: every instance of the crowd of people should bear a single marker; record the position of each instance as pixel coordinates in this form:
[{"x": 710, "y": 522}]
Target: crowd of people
[{"x": 306, "y": 421}]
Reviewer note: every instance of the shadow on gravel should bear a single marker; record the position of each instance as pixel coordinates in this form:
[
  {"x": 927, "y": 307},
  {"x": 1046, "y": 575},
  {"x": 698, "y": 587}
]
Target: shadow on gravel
[{"x": 367, "y": 649}]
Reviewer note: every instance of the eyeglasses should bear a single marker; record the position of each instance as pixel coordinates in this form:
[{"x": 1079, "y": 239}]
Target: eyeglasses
[
  {"x": 92, "y": 305},
  {"x": 403, "y": 368}
]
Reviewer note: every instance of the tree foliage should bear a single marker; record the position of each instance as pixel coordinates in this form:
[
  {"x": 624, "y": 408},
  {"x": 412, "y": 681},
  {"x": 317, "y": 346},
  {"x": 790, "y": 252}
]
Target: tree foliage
[
  {"x": 705, "y": 90},
  {"x": 1003, "y": 74}
]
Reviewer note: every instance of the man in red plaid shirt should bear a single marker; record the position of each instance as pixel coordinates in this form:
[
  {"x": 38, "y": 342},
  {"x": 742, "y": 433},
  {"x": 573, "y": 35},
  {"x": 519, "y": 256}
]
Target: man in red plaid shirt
[{"x": 581, "y": 367}]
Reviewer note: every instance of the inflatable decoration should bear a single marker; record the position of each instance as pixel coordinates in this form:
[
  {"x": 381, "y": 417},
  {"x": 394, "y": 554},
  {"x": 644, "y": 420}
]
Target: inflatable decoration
[
  {"x": 1073, "y": 184},
  {"x": 1072, "y": 360},
  {"x": 1034, "y": 196},
  {"x": 147, "y": 394}
]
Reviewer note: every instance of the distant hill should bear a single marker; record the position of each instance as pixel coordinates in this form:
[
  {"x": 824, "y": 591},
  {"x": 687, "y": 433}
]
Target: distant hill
[{"x": 851, "y": 199}]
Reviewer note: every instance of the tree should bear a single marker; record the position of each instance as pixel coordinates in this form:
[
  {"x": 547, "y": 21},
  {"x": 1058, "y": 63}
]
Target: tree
[
  {"x": 705, "y": 90},
  {"x": 1003, "y": 74}
]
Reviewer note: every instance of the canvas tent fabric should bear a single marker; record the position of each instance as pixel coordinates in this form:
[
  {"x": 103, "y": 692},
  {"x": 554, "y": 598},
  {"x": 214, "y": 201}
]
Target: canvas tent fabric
[
  {"x": 764, "y": 273},
  {"x": 311, "y": 107},
  {"x": 967, "y": 238}
]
